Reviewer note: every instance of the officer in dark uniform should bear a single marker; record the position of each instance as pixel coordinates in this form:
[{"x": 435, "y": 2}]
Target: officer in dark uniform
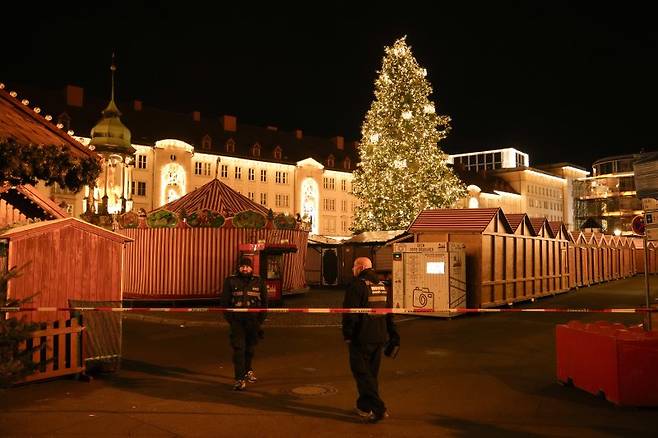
[
  {"x": 366, "y": 335},
  {"x": 244, "y": 290}
]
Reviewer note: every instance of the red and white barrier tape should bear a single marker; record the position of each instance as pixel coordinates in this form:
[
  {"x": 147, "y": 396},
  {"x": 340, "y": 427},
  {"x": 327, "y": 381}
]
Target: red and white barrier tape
[{"x": 314, "y": 310}]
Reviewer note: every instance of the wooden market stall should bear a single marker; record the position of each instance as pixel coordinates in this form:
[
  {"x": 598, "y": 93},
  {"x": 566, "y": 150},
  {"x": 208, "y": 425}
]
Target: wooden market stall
[
  {"x": 185, "y": 249},
  {"x": 63, "y": 260}
]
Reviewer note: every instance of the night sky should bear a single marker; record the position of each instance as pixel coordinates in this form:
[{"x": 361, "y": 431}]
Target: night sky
[{"x": 561, "y": 82}]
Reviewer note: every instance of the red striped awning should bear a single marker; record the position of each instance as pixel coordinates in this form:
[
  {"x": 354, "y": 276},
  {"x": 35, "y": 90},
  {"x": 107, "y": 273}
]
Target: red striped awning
[
  {"x": 215, "y": 196},
  {"x": 457, "y": 219}
]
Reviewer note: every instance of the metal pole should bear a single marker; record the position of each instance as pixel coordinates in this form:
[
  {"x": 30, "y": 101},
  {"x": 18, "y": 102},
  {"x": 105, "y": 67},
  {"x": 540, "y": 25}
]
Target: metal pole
[{"x": 647, "y": 315}]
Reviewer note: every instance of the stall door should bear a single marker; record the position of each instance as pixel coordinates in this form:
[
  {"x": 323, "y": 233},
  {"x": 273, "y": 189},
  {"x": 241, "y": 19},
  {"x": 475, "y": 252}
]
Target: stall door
[{"x": 329, "y": 267}]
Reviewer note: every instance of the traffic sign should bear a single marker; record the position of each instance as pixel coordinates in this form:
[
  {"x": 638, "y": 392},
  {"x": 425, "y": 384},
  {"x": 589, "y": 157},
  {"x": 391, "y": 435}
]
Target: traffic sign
[{"x": 637, "y": 225}]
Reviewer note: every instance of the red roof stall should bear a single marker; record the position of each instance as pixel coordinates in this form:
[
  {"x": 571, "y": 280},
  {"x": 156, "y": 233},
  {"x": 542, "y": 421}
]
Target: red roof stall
[
  {"x": 192, "y": 244},
  {"x": 504, "y": 264},
  {"x": 63, "y": 260}
]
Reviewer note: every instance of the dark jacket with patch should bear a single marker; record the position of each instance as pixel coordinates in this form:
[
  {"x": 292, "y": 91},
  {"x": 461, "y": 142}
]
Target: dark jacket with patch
[
  {"x": 366, "y": 291},
  {"x": 243, "y": 292}
]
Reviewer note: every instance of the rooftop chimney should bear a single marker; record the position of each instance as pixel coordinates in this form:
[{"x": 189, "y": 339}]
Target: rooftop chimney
[
  {"x": 340, "y": 142},
  {"x": 299, "y": 134},
  {"x": 74, "y": 95},
  {"x": 230, "y": 123},
  {"x": 196, "y": 116},
  {"x": 137, "y": 105}
]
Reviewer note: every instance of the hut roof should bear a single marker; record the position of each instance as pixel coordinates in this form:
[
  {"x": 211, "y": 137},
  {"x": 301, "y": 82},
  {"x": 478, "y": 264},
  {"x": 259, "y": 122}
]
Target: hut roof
[
  {"x": 368, "y": 237},
  {"x": 515, "y": 220},
  {"x": 25, "y": 126},
  {"x": 216, "y": 196},
  {"x": 458, "y": 219},
  {"x": 538, "y": 222},
  {"x": 31, "y": 202},
  {"x": 46, "y": 226}
]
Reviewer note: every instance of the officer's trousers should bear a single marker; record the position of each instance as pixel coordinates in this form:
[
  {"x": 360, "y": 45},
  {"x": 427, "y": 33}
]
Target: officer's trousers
[
  {"x": 364, "y": 363},
  {"x": 243, "y": 337}
]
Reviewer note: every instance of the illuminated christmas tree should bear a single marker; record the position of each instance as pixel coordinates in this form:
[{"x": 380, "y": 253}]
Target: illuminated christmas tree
[{"x": 402, "y": 170}]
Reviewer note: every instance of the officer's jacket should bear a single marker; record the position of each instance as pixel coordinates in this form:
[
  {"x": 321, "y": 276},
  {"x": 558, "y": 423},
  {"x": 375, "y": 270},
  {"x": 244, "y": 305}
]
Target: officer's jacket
[
  {"x": 244, "y": 291},
  {"x": 366, "y": 291}
]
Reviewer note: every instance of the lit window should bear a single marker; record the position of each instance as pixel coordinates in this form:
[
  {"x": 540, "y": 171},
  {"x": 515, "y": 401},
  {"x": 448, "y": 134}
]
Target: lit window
[
  {"x": 263, "y": 175},
  {"x": 141, "y": 188},
  {"x": 263, "y": 198},
  {"x": 343, "y": 185},
  {"x": 252, "y": 195},
  {"x": 230, "y": 146},
  {"x": 197, "y": 168},
  {"x": 278, "y": 153},
  {"x": 206, "y": 169},
  {"x": 224, "y": 172},
  {"x": 238, "y": 172},
  {"x": 347, "y": 163},
  {"x": 252, "y": 174},
  {"x": 206, "y": 142},
  {"x": 329, "y": 183},
  {"x": 436, "y": 268},
  {"x": 141, "y": 161},
  {"x": 330, "y": 161}
]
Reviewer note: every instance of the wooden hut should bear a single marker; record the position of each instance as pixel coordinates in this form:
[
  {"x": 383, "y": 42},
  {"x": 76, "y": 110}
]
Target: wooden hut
[
  {"x": 484, "y": 232},
  {"x": 323, "y": 261},
  {"x": 184, "y": 262},
  {"x": 63, "y": 260},
  {"x": 580, "y": 254},
  {"x": 371, "y": 244},
  {"x": 522, "y": 255}
]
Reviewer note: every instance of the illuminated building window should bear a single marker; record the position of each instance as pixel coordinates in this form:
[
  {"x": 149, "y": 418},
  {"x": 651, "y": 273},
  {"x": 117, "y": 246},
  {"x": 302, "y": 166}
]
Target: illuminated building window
[
  {"x": 330, "y": 204},
  {"x": 347, "y": 163},
  {"x": 343, "y": 205},
  {"x": 278, "y": 153},
  {"x": 224, "y": 172},
  {"x": 263, "y": 199},
  {"x": 255, "y": 150},
  {"x": 238, "y": 172},
  {"x": 206, "y": 169},
  {"x": 263, "y": 175},
  {"x": 141, "y": 161},
  {"x": 141, "y": 188},
  {"x": 329, "y": 183},
  {"x": 343, "y": 185},
  {"x": 197, "y": 168},
  {"x": 230, "y": 146},
  {"x": 330, "y": 161},
  {"x": 206, "y": 142},
  {"x": 281, "y": 177},
  {"x": 251, "y": 195},
  {"x": 252, "y": 174}
]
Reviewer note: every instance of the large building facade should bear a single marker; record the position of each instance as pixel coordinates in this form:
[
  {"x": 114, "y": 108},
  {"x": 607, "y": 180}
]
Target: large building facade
[
  {"x": 151, "y": 157},
  {"x": 504, "y": 178},
  {"x": 608, "y": 197}
]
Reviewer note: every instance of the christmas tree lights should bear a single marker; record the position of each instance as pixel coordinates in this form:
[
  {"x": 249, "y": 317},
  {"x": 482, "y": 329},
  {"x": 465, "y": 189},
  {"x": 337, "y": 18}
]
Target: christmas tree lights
[{"x": 402, "y": 170}]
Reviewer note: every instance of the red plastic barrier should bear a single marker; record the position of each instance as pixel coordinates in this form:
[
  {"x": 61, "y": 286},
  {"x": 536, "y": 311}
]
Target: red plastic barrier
[{"x": 619, "y": 361}]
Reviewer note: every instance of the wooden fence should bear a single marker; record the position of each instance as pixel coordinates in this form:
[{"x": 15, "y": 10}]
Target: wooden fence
[{"x": 60, "y": 351}]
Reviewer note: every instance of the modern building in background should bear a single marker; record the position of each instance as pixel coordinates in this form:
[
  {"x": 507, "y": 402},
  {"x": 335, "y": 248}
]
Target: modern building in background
[
  {"x": 504, "y": 178},
  {"x": 608, "y": 197}
]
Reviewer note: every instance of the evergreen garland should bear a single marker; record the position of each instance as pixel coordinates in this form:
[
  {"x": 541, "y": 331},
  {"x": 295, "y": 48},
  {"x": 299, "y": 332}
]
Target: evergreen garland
[{"x": 28, "y": 164}]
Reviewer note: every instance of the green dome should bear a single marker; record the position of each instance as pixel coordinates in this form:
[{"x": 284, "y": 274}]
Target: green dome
[{"x": 110, "y": 134}]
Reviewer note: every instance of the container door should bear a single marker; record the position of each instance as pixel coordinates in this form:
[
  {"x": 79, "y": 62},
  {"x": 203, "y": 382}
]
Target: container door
[{"x": 425, "y": 285}]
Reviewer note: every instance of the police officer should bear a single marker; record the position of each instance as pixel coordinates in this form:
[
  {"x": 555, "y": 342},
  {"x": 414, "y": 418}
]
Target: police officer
[
  {"x": 244, "y": 290},
  {"x": 366, "y": 335}
]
